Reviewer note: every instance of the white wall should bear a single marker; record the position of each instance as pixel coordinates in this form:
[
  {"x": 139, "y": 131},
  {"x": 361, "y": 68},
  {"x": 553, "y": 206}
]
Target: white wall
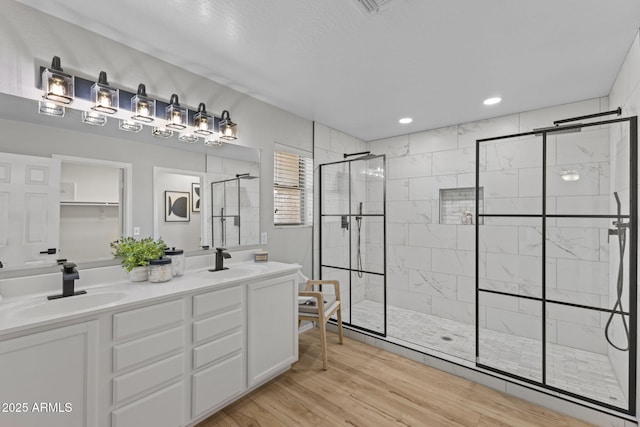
[{"x": 29, "y": 39}]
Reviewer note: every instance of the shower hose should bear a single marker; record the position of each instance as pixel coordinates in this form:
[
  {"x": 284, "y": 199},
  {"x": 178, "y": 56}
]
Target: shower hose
[{"x": 622, "y": 242}]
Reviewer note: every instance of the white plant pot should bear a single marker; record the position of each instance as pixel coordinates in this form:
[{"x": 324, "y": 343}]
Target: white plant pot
[{"x": 139, "y": 274}]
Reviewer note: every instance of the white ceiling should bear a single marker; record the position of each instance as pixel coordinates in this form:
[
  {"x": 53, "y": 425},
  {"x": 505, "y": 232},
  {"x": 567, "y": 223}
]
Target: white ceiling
[{"x": 327, "y": 60}]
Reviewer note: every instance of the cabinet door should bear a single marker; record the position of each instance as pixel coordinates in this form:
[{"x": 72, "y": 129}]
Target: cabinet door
[
  {"x": 49, "y": 378},
  {"x": 272, "y": 328}
]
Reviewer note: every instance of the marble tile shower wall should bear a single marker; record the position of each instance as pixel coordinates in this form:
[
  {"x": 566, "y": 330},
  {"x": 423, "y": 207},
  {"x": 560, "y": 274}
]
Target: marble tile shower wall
[{"x": 431, "y": 266}]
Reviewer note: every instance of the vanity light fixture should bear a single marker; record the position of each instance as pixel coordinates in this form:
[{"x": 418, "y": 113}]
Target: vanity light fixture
[
  {"x": 569, "y": 175},
  {"x": 203, "y": 121},
  {"x": 57, "y": 86},
  {"x": 188, "y": 136},
  {"x": 105, "y": 99},
  {"x": 162, "y": 132},
  {"x": 176, "y": 115},
  {"x": 143, "y": 107},
  {"x": 50, "y": 108},
  {"x": 130, "y": 126},
  {"x": 94, "y": 118},
  {"x": 228, "y": 129}
]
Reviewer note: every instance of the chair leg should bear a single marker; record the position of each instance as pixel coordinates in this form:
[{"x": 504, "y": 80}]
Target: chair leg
[
  {"x": 340, "y": 324},
  {"x": 323, "y": 342}
]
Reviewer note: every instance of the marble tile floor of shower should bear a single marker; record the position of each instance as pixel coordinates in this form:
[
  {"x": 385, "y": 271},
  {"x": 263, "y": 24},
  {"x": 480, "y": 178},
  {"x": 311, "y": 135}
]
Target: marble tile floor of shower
[{"x": 577, "y": 371}]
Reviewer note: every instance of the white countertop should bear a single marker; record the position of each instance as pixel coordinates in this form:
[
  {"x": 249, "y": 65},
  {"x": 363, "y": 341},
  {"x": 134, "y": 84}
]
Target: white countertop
[{"x": 23, "y": 312}]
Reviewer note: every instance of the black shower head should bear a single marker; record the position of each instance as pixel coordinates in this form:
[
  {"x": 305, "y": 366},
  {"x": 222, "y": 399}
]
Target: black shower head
[{"x": 245, "y": 176}]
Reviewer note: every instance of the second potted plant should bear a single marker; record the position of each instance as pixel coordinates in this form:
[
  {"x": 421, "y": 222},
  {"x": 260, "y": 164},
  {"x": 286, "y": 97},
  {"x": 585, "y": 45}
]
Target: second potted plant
[{"x": 135, "y": 255}]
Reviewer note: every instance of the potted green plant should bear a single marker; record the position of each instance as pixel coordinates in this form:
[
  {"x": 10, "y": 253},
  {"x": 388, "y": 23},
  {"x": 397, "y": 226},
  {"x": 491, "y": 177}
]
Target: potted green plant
[{"x": 136, "y": 255}]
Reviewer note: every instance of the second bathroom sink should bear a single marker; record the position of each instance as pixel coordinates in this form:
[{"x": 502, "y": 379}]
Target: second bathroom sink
[{"x": 69, "y": 305}]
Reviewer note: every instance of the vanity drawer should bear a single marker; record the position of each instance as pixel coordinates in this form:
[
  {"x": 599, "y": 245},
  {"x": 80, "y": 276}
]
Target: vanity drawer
[
  {"x": 214, "y": 385},
  {"x": 160, "y": 409},
  {"x": 216, "y": 301},
  {"x": 137, "y": 351},
  {"x": 146, "y": 319},
  {"x": 216, "y": 325},
  {"x": 217, "y": 349},
  {"x": 148, "y": 377}
]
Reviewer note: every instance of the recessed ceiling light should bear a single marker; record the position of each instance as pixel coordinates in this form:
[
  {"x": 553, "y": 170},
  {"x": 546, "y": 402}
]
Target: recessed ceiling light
[
  {"x": 405, "y": 120},
  {"x": 492, "y": 101}
]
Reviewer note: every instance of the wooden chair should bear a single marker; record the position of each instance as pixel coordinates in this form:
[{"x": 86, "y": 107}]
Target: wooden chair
[{"x": 320, "y": 308}]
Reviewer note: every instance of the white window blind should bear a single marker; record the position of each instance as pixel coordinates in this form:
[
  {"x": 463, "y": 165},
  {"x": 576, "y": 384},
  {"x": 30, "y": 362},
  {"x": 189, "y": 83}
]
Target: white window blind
[{"x": 292, "y": 189}]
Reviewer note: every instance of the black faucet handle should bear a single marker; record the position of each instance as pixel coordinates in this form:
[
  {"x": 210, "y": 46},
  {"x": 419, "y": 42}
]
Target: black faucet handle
[
  {"x": 221, "y": 249},
  {"x": 69, "y": 267}
]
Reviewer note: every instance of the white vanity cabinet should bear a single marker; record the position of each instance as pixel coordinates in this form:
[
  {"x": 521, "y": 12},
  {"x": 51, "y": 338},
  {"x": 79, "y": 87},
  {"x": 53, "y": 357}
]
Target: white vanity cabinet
[
  {"x": 49, "y": 378},
  {"x": 219, "y": 350},
  {"x": 149, "y": 366},
  {"x": 167, "y": 360},
  {"x": 272, "y": 330}
]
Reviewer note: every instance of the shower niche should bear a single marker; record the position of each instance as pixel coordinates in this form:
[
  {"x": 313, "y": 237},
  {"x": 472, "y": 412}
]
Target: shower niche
[{"x": 458, "y": 205}]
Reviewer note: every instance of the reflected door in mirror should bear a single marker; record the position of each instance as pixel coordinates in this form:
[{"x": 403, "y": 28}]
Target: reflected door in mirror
[{"x": 29, "y": 211}]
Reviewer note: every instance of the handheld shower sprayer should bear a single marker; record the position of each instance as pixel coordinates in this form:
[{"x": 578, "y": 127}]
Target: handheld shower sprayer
[{"x": 621, "y": 232}]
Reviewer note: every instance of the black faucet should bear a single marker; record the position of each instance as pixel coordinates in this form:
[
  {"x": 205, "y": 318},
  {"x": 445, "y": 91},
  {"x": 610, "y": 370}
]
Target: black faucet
[
  {"x": 221, "y": 254},
  {"x": 69, "y": 275}
]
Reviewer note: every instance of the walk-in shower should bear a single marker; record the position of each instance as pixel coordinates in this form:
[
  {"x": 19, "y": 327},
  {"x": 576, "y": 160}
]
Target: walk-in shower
[
  {"x": 515, "y": 253},
  {"x": 563, "y": 295}
]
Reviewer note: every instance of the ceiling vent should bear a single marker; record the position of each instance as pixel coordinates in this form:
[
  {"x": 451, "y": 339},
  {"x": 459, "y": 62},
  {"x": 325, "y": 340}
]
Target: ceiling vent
[{"x": 370, "y": 6}]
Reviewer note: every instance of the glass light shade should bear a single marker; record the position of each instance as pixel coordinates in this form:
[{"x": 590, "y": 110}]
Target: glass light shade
[
  {"x": 176, "y": 115},
  {"x": 162, "y": 132},
  {"x": 213, "y": 142},
  {"x": 50, "y": 108},
  {"x": 228, "y": 129},
  {"x": 56, "y": 85},
  {"x": 93, "y": 118},
  {"x": 203, "y": 121},
  {"x": 188, "y": 136},
  {"x": 130, "y": 126},
  {"x": 143, "y": 107},
  {"x": 105, "y": 99}
]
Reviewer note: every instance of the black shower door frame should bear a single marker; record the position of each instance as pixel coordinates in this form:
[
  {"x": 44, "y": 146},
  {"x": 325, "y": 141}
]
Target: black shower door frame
[
  {"x": 633, "y": 237},
  {"x": 351, "y": 216}
]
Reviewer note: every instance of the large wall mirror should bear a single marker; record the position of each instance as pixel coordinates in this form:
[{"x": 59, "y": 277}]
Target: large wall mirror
[{"x": 67, "y": 189}]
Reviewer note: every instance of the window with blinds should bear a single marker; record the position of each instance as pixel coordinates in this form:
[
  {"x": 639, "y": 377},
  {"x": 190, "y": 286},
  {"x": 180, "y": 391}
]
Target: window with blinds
[{"x": 292, "y": 189}]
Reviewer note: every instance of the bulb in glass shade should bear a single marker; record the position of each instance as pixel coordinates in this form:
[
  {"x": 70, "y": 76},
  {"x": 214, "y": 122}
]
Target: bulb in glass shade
[
  {"x": 57, "y": 86},
  {"x": 143, "y": 109},
  {"x": 104, "y": 98}
]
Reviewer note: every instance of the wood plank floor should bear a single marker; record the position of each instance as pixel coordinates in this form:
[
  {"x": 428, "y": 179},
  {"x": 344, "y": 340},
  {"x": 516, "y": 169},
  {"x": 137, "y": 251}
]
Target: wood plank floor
[{"x": 368, "y": 387}]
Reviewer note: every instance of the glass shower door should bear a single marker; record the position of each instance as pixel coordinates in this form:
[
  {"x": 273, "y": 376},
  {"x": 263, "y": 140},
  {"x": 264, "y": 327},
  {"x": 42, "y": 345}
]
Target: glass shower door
[
  {"x": 352, "y": 238},
  {"x": 556, "y": 259}
]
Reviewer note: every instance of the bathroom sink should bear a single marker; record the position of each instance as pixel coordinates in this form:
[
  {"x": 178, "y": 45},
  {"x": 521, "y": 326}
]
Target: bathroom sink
[
  {"x": 240, "y": 269},
  {"x": 70, "y": 304}
]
